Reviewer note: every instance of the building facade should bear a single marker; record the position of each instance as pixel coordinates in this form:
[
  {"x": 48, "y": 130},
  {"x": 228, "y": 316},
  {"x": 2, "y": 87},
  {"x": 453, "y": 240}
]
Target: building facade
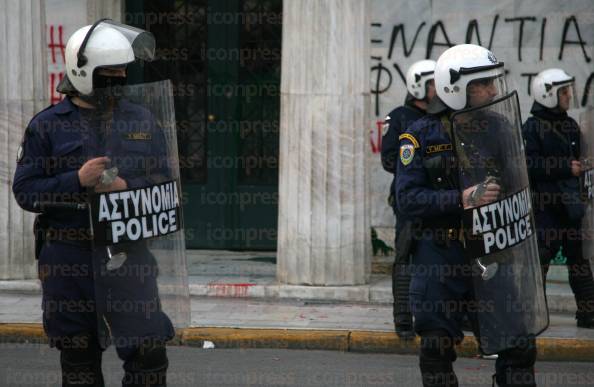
[{"x": 279, "y": 106}]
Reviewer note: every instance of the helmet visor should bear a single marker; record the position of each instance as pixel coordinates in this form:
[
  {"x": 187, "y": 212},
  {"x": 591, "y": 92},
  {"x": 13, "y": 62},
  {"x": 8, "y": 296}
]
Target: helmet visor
[
  {"x": 142, "y": 42},
  {"x": 482, "y": 91},
  {"x": 567, "y": 97}
]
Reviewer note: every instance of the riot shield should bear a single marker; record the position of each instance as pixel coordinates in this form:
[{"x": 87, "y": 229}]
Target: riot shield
[
  {"x": 587, "y": 159},
  {"x": 499, "y": 230},
  {"x": 139, "y": 262}
]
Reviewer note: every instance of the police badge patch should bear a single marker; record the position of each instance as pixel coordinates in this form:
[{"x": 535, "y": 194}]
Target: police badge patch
[
  {"x": 407, "y": 152},
  {"x": 20, "y": 154},
  {"x": 386, "y": 126},
  {"x": 21, "y": 150}
]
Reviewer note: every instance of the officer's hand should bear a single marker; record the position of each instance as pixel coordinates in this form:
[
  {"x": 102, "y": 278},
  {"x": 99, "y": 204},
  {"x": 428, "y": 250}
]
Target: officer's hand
[
  {"x": 491, "y": 194},
  {"x": 576, "y": 168},
  {"x": 90, "y": 173},
  {"x": 472, "y": 198},
  {"x": 117, "y": 185}
]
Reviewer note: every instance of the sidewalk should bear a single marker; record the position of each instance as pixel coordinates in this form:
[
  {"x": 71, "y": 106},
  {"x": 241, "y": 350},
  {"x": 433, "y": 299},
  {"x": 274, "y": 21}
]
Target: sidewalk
[
  {"x": 236, "y": 302},
  {"x": 253, "y": 275}
]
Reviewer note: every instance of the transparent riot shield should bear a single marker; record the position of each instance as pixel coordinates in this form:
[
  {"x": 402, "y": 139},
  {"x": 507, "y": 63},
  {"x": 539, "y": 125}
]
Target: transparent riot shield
[
  {"x": 587, "y": 159},
  {"x": 141, "y": 282},
  {"x": 500, "y": 234}
]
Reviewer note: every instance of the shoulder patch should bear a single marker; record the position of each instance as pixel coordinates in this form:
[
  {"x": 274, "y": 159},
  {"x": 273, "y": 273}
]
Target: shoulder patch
[
  {"x": 407, "y": 152},
  {"x": 411, "y": 138},
  {"x": 20, "y": 154},
  {"x": 21, "y": 150},
  {"x": 385, "y": 127}
]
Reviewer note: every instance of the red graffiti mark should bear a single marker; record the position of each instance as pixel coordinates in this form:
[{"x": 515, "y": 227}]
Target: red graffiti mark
[
  {"x": 53, "y": 46},
  {"x": 55, "y": 78},
  {"x": 230, "y": 290},
  {"x": 375, "y": 137}
]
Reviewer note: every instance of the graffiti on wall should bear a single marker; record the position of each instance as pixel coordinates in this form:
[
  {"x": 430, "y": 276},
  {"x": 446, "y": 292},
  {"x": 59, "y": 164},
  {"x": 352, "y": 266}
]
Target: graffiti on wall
[
  {"x": 62, "y": 18},
  {"x": 527, "y": 35},
  {"x": 56, "y": 60},
  {"x": 401, "y": 43}
]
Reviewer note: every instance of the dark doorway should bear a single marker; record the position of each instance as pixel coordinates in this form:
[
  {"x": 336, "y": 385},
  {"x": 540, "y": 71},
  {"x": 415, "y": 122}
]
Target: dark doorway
[{"x": 223, "y": 58}]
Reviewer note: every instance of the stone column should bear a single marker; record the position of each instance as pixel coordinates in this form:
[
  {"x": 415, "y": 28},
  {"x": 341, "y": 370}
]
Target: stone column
[
  {"x": 324, "y": 228},
  {"x": 23, "y": 92},
  {"x": 97, "y": 9}
]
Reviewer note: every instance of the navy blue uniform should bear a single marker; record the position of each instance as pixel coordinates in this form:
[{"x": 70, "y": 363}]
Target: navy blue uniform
[
  {"x": 441, "y": 290},
  {"x": 397, "y": 121},
  {"x": 552, "y": 141},
  {"x": 57, "y": 143},
  {"x": 394, "y": 125}
]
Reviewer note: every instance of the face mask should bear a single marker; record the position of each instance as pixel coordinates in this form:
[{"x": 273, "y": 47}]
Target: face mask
[{"x": 106, "y": 90}]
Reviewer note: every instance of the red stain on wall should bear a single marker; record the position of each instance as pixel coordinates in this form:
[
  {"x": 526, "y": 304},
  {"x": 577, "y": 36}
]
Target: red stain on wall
[{"x": 375, "y": 137}]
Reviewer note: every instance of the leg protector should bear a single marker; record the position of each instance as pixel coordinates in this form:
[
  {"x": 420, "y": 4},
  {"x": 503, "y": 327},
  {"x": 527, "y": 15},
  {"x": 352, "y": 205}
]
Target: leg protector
[
  {"x": 546, "y": 255},
  {"x": 147, "y": 367},
  {"x": 436, "y": 358},
  {"x": 80, "y": 360},
  {"x": 581, "y": 282},
  {"x": 515, "y": 366},
  {"x": 403, "y": 321}
]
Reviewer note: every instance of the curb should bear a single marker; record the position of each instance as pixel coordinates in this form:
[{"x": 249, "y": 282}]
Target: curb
[{"x": 549, "y": 349}]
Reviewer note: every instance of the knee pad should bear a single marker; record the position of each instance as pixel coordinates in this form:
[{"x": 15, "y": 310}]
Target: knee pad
[
  {"x": 400, "y": 288},
  {"x": 521, "y": 356},
  {"x": 148, "y": 366},
  {"x": 80, "y": 359},
  {"x": 437, "y": 345}
]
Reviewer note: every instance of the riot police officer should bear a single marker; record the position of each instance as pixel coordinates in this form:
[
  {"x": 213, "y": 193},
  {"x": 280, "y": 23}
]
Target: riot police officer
[
  {"x": 451, "y": 162},
  {"x": 64, "y": 158},
  {"x": 553, "y": 157},
  {"x": 420, "y": 90}
]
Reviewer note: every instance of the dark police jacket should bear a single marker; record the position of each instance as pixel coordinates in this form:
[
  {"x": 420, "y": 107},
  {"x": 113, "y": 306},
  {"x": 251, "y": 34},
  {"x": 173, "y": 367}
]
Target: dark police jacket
[
  {"x": 59, "y": 140},
  {"x": 395, "y": 124},
  {"x": 552, "y": 141},
  {"x": 426, "y": 178}
]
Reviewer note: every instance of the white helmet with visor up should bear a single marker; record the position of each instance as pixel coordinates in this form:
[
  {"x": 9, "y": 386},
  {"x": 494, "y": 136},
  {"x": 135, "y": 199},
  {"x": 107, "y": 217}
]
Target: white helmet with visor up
[
  {"x": 549, "y": 84},
  {"x": 417, "y": 76},
  {"x": 106, "y": 43},
  {"x": 468, "y": 75}
]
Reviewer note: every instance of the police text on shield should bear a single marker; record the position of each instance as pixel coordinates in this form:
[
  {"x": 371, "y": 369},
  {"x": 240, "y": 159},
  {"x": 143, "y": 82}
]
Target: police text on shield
[
  {"x": 138, "y": 214},
  {"x": 504, "y": 223}
]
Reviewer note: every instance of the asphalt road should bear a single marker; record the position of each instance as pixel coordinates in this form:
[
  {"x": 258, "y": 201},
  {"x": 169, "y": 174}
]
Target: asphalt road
[{"x": 38, "y": 365}]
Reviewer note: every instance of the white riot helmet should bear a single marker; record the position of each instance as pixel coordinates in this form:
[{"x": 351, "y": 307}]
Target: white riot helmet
[
  {"x": 417, "y": 77},
  {"x": 547, "y": 84},
  {"x": 104, "y": 44},
  {"x": 466, "y": 64}
]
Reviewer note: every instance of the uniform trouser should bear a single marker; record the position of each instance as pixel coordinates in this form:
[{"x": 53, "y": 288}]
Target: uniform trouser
[
  {"x": 555, "y": 233},
  {"x": 71, "y": 322},
  {"x": 400, "y": 285},
  {"x": 440, "y": 296}
]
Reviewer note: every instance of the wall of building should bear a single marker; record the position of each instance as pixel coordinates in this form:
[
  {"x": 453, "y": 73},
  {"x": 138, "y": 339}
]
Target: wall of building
[{"x": 528, "y": 35}]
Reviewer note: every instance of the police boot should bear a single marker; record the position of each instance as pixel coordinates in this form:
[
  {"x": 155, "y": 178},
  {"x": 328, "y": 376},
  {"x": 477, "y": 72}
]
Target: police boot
[
  {"x": 582, "y": 284},
  {"x": 148, "y": 367},
  {"x": 80, "y": 360},
  {"x": 403, "y": 321},
  {"x": 436, "y": 358}
]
